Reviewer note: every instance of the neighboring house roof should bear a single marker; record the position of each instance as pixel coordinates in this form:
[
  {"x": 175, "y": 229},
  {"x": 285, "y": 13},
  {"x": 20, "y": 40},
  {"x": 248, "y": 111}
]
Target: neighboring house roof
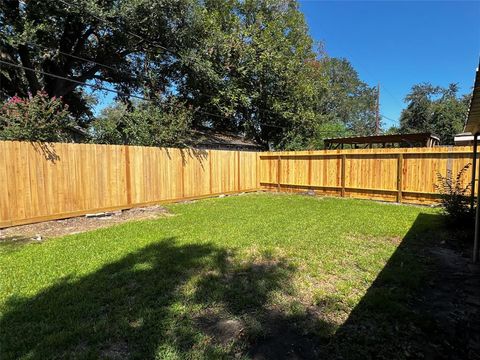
[
  {"x": 473, "y": 119},
  {"x": 425, "y": 139},
  {"x": 78, "y": 130},
  {"x": 210, "y": 139}
]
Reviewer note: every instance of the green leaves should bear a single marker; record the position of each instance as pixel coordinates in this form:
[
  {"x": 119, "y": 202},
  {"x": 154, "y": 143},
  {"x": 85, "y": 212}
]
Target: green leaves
[
  {"x": 251, "y": 64},
  {"x": 37, "y": 118},
  {"x": 147, "y": 124},
  {"x": 434, "y": 109}
]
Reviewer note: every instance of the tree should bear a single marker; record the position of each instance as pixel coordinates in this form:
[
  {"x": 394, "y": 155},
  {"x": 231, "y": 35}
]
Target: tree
[
  {"x": 144, "y": 124},
  {"x": 434, "y": 109},
  {"x": 346, "y": 98},
  {"x": 247, "y": 66},
  {"x": 40, "y": 34},
  {"x": 249, "y": 69}
]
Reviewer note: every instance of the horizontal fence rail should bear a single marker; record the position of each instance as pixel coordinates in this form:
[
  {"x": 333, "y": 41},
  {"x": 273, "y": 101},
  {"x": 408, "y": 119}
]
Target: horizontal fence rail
[
  {"x": 40, "y": 182},
  {"x": 403, "y": 175}
]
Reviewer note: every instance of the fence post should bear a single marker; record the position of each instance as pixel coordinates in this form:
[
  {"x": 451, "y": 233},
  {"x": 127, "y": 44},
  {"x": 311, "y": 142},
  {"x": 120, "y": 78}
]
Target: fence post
[
  {"x": 344, "y": 161},
  {"x": 309, "y": 170},
  {"x": 399, "y": 177},
  {"x": 238, "y": 171},
  {"x": 182, "y": 172},
  {"x": 278, "y": 173},
  {"x": 210, "y": 169},
  {"x": 128, "y": 181},
  {"x": 257, "y": 171}
]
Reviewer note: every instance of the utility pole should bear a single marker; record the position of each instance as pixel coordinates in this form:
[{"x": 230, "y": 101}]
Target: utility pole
[{"x": 377, "y": 112}]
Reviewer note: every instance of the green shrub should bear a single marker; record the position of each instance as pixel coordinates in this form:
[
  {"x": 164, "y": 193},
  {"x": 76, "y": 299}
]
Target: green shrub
[
  {"x": 36, "y": 118},
  {"x": 455, "y": 197}
]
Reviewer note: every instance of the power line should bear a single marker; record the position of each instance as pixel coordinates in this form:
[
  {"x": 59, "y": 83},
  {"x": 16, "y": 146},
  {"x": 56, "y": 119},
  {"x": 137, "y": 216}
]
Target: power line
[
  {"x": 115, "y": 69},
  {"x": 388, "y": 118},
  {"x": 103, "y": 88},
  {"x": 395, "y": 122},
  {"x": 73, "y": 56},
  {"x": 98, "y": 87},
  {"x": 141, "y": 38}
]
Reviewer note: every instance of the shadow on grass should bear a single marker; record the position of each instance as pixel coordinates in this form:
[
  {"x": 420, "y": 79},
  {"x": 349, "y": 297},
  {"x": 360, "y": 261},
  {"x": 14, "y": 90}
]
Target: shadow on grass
[
  {"x": 140, "y": 306},
  {"x": 170, "y": 301},
  {"x": 400, "y": 316},
  {"x": 414, "y": 309},
  {"x": 380, "y": 326}
]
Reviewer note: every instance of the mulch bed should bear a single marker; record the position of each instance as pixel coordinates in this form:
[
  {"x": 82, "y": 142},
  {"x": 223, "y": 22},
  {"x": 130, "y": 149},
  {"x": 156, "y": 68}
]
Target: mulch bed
[{"x": 79, "y": 224}]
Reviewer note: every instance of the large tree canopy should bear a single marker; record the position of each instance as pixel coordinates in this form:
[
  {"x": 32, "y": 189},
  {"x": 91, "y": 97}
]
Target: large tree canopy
[
  {"x": 247, "y": 66},
  {"x": 55, "y": 37},
  {"x": 434, "y": 109}
]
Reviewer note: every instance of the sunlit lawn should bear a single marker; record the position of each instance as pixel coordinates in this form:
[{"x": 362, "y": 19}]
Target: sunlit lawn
[{"x": 215, "y": 280}]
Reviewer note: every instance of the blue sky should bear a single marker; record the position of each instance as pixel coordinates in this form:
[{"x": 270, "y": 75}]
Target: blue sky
[
  {"x": 396, "y": 43},
  {"x": 400, "y": 43}
]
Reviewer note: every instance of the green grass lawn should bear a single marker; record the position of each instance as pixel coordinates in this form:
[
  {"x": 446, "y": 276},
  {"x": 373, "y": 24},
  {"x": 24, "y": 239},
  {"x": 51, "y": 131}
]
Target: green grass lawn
[{"x": 230, "y": 277}]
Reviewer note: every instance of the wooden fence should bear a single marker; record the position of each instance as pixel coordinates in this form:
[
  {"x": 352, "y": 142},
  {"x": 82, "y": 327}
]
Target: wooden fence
[
  {"x": 40, "y": 182},
  {"x": 402, "y": 175}
]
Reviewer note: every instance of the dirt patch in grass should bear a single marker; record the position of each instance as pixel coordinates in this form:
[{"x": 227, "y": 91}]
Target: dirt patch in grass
[
  {"x": 116, "y": 351},
  {"x": 38, "y": 231},
  {"x": 221, "y": 328},
  {"x": 452, "y": 299}
]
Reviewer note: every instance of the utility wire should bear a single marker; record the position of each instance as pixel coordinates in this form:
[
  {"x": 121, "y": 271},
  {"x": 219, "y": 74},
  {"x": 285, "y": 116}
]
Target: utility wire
[
  {"x": 98, "y": 87},
  {"x": 115, "y": 69},
  {"x": 141, "y": 38},
  {"x": 75, "y": 57},
  {"x": 103, "y": 88},
  {"x": 386, "y": 117}
]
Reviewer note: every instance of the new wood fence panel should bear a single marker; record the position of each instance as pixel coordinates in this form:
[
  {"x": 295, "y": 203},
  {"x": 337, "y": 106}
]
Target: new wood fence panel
[
  {"x": 406, "y": 175},
  {"x": 325, "y": 173},
  {"x": 224, "y": 171},
  {"x": 371, "y": 172},
  {"x": 196, "y": 173},
  {"x": 5, "y": 201},
  {"x": 247, "y": 174},
  {"x": 50, "y": 181},
  {"x": 268, "y": 170}
]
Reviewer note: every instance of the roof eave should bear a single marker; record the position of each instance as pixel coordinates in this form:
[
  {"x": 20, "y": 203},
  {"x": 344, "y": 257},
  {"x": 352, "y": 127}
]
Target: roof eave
[{"x": 473, "y": 119}]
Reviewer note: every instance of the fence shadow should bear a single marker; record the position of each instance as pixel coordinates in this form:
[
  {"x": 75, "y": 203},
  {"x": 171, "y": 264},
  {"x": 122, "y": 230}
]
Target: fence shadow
[
  {"x": 409, "y": 311},
  {"x": 130, "y": 308}
]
